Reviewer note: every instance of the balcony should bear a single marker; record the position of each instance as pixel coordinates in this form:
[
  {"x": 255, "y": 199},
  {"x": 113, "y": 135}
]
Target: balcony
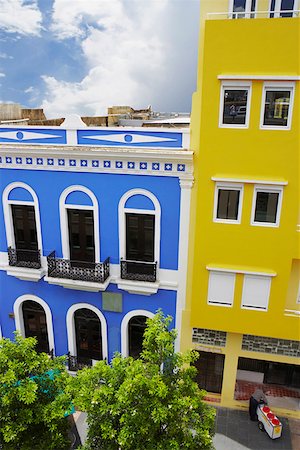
[
  {"x": 80, "y": 275},
  {"x": 24, "y": 258},
  {"x": 138, "y": 277},
  {"x": 75, "y": 363},
  {"x": 267, "y": 14}
]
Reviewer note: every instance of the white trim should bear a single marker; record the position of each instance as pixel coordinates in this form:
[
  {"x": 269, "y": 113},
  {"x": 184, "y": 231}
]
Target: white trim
[
  {"x": 268, "y": 189},
  {"x": 124, "y": 328},
  {"x": 184, "y": 224},
  {"x": 19, "y": 320},
  {"x": 1, "y": 336},
  {"x": 233, "y": 86},
  {"x": 277, "y": 86},
  {"x": 250, "y": 181},
  {"x": 72, "y": 332},
  {"x": 244, "y": 271},
  {"x": 232, "y": 187},
  {"x": 260, "y": 77},
  {"x": 8, "y": 220},
  {"x": 122, "y": 222},
  {"x": 63, "y": 207},
  {"x": 256, "y": 294}
]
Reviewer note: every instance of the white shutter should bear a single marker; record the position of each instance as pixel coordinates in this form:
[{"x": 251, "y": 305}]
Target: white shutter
[
  {"x": 221, "y": 288},
  {"x": 256, "y": 292}
]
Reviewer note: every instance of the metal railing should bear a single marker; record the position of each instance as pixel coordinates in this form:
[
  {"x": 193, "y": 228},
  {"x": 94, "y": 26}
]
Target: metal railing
[
  {"x": 138, "y": 270},
  {"x": 24, "y": 258},
  {"x": 254, "y": 14},
  {"x": 77, "y": 270},
  {"x": 76, "y": 363}
]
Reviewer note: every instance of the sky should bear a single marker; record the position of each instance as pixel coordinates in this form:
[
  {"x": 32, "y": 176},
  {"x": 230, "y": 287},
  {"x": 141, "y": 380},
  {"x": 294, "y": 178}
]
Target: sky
[{"x": 82, "y": 56}]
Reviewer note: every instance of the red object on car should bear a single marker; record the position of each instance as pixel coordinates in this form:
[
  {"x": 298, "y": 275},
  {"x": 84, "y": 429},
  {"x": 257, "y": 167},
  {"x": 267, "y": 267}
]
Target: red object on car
[{"x": 266, "y": 409}]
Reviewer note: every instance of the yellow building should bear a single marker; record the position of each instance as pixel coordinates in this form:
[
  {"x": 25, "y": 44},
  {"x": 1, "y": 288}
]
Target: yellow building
[{"x": 243, "y": 307}]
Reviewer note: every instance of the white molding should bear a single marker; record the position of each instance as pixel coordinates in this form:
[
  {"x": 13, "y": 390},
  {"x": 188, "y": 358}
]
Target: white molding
[
  {"x": 138, "y": 287},
  {"x": 8, "y": 220},
  {"x": 277, "y": 86},
  {"x": 122, "y": 222},
  {"x": 291, "y": 312},
  {"x": 260, "y": 77},
  {"x": 235, "y": 85},
  {"x": 78, "y": 285},
  {"x": 250, "y": 181},
  {"x": 244, "y": 271},
  {"x": 124, "y": 328},
  {"x": 232, "y": 187},
  {"x": 63, "y": 207},
  {"x": 24, "y": 273},
  {"x": 184, "y": 225},
  {"x": 19, "y": 320},
  {"x": 269, "y": 189},
  {"x": 71, "y": 327}
]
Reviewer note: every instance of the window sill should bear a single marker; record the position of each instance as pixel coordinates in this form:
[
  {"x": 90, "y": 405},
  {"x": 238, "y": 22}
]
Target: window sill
[
  {"x": 23, "y": 273},
  {"x": 79, "y": 285},
  {"x": 138, "y": 287}
]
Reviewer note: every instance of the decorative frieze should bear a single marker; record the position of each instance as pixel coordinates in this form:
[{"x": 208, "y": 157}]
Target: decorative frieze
[
  {"x": 209, "y": 337},
  {"x": 271, "y": 345}
]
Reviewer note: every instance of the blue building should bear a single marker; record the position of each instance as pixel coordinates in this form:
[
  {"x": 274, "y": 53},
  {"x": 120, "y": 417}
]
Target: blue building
[{"x": 93, "y": 234}]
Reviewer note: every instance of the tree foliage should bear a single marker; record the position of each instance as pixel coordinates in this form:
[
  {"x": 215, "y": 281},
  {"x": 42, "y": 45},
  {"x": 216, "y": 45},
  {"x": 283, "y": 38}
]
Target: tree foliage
[
  {"x": 32, "y": 398},
  {"x": 150, "y": 403}
]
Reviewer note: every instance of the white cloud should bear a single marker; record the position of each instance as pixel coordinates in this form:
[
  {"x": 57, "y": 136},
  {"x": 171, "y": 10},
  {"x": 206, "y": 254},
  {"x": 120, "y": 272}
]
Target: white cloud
[
  {"x": 2, "y": 75},
  {"x": 20, "y": 16},
  {"x": 122, "y": 54},
  {"x": 134, "y": 53},
  {"x": 5, "y": 56}
]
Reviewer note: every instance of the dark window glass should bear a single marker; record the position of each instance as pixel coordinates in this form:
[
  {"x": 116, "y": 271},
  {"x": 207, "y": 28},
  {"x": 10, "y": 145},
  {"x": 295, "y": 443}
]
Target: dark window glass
[
  {"x": 210, "y": 368},
  {"x": 239, "y": 6},
  {"x": 136, "y": 328},
  {"x": 266, "y": 207},
  {"x": 81, "y": 235},
  {"x": 272, "y": 8},
  {"x": 277, "y": 108},
  {"x": 24, "y": 227},
  {"x": 140, "y": 237},
  {"x": 88, "y": 335},
  {"x": 35, "y": 324},
  {"x": 235, "y": 106},
  {"x": 228, "y": 204},
  {"x": 287, "y": 5}
]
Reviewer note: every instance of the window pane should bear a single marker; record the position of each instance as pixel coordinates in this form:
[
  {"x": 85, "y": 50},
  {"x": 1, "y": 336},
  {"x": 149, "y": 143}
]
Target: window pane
[
  {"x": 287, "y": 5},
  {"x": 277, "y": 108},
  {"x": 235, "y": 106},
  {"x": 266, "y": 207},
  {"x": 228, "y": 204}
]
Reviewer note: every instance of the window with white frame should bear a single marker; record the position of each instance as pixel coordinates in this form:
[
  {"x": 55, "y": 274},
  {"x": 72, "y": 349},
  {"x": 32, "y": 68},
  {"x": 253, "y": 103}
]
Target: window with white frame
[
  {"x": 283, "y": 8},
  {"x": 256, "y": 292},
  {"x": 277, "y": 104},
  {"x": 242, "y": 8},
  {"x": 266, "y": 206},
  {"x": 221, "y": 288},
  {"x": 228, "y": 203},
  {"x": 235, "y": 105}
]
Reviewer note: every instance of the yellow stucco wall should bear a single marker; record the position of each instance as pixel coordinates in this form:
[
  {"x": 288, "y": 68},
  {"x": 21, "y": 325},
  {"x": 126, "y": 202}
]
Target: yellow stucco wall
[{"x": 249, "y": 48}]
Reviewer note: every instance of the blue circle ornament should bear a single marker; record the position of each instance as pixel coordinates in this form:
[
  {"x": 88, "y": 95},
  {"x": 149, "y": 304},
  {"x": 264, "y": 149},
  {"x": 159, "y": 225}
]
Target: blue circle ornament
[
  {"x": 127, "y": 138},
  {"x": 20, "y": 135}
]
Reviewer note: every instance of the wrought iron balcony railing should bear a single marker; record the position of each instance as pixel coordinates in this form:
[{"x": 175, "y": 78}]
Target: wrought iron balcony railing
[
  {"x": 76, "y": 363},
  {"x": 77, "y": 270},
  {"x": 24, "y": 258},
  {"x": 138, "y": 270}
]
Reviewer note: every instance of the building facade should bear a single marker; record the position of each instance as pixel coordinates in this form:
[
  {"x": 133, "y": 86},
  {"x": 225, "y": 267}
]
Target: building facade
[
  {"x": 93, "y": 225},
  {"x": 243, "y": 302}
]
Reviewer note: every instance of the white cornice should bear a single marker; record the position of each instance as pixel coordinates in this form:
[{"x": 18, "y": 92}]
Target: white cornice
[
  {"x": 260, "y": 77},
  {"x": 248, "y": 180}
]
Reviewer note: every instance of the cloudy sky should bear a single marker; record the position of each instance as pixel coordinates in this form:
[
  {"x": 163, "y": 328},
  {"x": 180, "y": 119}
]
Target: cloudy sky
[{"x": 81, "y": 56}]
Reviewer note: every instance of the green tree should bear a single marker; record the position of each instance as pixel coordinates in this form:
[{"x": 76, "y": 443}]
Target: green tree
[
  {"x": 32, "y": 398},
  {"x": 150, "y": 403}
]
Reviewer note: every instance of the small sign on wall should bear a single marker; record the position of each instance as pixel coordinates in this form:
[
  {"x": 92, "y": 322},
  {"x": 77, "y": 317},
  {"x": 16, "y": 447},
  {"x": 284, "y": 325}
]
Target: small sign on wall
[{"x": 112, "y": 302}]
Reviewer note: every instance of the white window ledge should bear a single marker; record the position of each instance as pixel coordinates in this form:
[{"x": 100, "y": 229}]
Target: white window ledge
[
  {"x": 292, "y": 312},
  {"x": 24, "y": 273},
  {"x": 79, "y": 285},
  {"x": 138, "y": 287}
]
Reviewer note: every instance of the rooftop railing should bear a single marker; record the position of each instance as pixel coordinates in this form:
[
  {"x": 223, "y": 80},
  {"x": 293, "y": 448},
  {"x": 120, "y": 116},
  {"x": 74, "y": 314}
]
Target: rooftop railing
[{"x": 254, "y": 14}]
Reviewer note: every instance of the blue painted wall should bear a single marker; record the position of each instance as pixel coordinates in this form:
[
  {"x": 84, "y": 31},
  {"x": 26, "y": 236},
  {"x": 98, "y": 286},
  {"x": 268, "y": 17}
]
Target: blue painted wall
[{"x": 108, "y": 188}]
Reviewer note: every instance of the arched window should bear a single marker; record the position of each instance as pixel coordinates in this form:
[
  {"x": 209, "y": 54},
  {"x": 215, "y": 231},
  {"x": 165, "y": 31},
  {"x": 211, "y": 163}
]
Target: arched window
[
  {"x": 87, "y": 332},
  {"x": 22, "y": 224},
  {"x": 132, "y": 332},
  {"x": 139, "y": 235},
  {"x": 79, "y": 218},
  {"x": 33, "y": 317}
]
